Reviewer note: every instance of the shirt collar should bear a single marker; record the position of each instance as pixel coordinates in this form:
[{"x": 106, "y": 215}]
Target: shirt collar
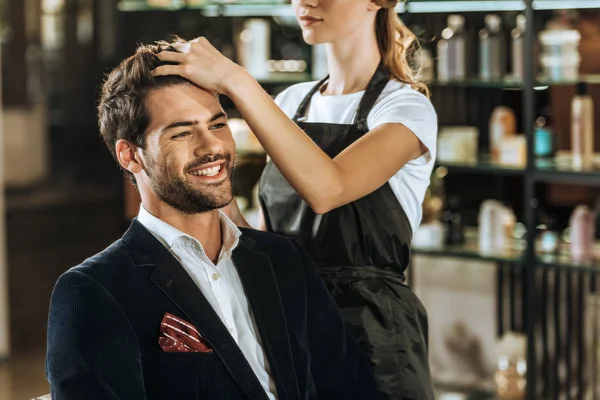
[{"x": 168, "y": 234}]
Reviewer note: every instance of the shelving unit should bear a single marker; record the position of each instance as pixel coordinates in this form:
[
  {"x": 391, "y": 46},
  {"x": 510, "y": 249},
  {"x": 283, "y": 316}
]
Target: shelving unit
[
  {"x": 531, "y": 268},
  {"x": 535, "y": 268}
]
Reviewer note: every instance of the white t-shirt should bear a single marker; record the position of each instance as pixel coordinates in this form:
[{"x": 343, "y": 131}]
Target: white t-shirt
[{"x": 398, "y": 103}]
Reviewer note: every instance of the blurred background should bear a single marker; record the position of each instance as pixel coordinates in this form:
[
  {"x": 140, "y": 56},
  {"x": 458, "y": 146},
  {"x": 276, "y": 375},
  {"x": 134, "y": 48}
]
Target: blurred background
[{"x": 505, "y": 260}]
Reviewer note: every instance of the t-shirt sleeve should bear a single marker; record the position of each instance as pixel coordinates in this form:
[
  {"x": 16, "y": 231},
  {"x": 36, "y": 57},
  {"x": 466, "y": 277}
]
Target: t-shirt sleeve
[
  {"x": 289, "y": 99},
  {"x": 413, "y": 110},
  {"x": 283, "y": 101}
]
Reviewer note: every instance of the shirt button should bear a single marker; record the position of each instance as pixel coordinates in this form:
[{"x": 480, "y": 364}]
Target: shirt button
[{"x": 216, "y": 276}]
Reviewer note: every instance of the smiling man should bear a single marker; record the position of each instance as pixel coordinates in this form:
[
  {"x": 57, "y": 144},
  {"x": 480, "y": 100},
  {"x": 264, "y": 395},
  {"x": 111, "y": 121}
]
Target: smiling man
[{"x": 186, "y": 305}]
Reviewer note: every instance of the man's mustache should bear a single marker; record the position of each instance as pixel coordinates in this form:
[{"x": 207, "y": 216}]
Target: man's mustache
[{"x": 209, "y": 158}]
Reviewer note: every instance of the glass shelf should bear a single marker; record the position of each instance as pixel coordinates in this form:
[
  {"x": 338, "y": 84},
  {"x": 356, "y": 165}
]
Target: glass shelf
[
  {"x": 477, "y": 83},
  {"x": 482, "y": 166},
  {"x": 275, "y": 9},
  {"x": 447, "y": 6},
  {"x": 563, "y": 5},
  {"x": 285, "y": 78},
  {"x": 563, "y": 260},
  {"x": 561, "y": 170},
  {"x": 239, "y": 8},
  {"x": 512, "y": 84},
  {"x": 508, "y": 84},
  {"x": 513, "y": 253},
  {"x": 470, "y": 250},
  {"x": 213, "y": 8},
  {"x": 590, "y": 78},
  {"x": 281, "y": 8}
]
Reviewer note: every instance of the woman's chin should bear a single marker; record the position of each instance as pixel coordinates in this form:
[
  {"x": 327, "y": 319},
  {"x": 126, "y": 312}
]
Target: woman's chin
[{"x": 312, "y": 38}]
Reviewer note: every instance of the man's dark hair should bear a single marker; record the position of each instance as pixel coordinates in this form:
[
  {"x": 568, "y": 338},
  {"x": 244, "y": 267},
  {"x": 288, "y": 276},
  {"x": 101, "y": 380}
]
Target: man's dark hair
[{"x": 122, "y": 112}]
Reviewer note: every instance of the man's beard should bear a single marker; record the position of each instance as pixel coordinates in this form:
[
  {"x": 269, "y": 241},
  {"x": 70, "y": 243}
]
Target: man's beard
[{"x": 185, "y": 197}]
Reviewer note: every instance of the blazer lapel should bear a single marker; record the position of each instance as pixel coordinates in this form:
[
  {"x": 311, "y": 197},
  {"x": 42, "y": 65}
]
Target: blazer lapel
[
  {"x": 262, "y": 292},
  {"x": 175, "y": 282}
]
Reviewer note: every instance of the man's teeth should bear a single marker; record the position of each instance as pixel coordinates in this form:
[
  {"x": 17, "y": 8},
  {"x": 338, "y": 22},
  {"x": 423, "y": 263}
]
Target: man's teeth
[{"x": 207, "y": 171}]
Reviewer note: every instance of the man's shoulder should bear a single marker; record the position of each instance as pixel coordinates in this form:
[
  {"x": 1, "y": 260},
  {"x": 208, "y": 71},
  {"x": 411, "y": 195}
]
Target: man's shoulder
[
  {"x": 105, "y": 263},
  {"x": 267, "y": 239},
  {"x": 273, "y": 244}
]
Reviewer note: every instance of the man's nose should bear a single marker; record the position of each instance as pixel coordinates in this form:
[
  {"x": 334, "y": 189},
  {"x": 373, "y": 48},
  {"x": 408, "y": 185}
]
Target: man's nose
[{"x": 207, "y": 143}]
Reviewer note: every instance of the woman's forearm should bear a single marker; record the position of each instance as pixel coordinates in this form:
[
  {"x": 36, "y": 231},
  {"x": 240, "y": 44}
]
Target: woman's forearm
[{"x": 311, "y": 172}]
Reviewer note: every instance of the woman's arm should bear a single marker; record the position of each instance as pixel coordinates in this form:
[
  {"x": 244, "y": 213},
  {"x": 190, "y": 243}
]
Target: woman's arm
[{"x": 322, "y": 182}]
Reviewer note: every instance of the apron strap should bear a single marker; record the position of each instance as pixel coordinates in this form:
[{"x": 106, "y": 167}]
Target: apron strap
[
  {"x": 376, "y": 85},
  {"x": 301, "y": 112},
  {"x": 374, "y": 89}
]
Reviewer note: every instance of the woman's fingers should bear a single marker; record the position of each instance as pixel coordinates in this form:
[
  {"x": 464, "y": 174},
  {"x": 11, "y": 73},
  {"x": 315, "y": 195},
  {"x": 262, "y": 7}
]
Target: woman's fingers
[
  {"x": 171, "y": 56},
  {"x": 183, "y": 47},
  {"x": 169, "y": 70}
]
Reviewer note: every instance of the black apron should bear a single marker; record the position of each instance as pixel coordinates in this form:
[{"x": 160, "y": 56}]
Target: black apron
[{"x": 361, "y": 250}]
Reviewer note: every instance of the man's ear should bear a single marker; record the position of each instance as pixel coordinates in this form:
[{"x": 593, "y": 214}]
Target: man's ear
[{"x": 128, "y": 157}]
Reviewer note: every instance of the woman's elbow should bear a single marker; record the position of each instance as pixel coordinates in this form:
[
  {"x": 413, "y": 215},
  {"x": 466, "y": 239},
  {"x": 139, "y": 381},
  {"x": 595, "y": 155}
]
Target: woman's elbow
[
  {"x": 326, "y": 201},
  {"x": 320, "y": 208}
]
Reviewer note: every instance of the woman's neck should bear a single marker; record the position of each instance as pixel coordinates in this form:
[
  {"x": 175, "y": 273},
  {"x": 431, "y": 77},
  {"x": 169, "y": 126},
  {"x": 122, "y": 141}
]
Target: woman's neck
[{"x": 351, "y": 63}]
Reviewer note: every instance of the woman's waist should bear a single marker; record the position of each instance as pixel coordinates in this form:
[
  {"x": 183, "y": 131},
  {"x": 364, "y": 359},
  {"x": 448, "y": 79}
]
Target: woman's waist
[{"x": 392, "y": 272}]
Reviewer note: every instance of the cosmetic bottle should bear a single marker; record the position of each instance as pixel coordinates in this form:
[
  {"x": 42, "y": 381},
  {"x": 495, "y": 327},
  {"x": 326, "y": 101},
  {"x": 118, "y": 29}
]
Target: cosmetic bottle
[
  {"x": 452, "y": 50},
  {"x": 518, "y": 49},
  {"x": 582, "y": 127},
  {"x": 491, "y": 49}
]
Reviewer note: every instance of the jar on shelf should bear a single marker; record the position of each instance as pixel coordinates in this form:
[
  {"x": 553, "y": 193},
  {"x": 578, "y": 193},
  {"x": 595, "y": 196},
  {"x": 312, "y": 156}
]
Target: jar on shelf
[{"x": 512, "y": 367}]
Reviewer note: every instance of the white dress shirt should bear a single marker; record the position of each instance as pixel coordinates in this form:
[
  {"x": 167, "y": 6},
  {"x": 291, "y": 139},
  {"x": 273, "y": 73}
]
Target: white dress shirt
[{"x": 220, "y": 284}]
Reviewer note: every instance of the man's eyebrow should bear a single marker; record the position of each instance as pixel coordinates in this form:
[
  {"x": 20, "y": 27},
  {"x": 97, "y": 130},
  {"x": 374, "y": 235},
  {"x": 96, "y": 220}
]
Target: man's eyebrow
[
  {"x": 179, "y": 124},
  {"x": 217, "y": 116}
]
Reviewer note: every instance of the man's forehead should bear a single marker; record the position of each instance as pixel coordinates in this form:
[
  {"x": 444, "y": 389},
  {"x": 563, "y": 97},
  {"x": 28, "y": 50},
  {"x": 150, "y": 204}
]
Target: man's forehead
[{"x": 175, "y": 99}]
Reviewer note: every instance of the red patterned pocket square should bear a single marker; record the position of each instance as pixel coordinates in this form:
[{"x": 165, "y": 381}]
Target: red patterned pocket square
[{"x": 179, "y": 336}]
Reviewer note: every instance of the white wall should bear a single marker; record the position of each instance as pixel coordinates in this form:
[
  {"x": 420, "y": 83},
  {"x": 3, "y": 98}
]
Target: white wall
[{"x": 25, "y": 145}]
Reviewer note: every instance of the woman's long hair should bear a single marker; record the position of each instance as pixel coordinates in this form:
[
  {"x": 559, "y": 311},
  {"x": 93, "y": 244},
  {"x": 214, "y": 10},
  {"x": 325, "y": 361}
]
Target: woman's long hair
[{"x": 397, "y": 45}]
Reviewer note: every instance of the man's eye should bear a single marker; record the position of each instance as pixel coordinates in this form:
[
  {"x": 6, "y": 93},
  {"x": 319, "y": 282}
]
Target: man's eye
[
  {"x": 182, "y": 134},
  {"x": 218, "y": 126}
]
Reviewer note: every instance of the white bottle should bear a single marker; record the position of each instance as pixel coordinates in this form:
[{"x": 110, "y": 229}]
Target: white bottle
[
  {"x": 451, "y": 50},
  {"x": 582, "y": 127},
  {"x": 518, "y": 49},
  {"x": 443, "y": 61},
  {"x": 255, "y": 47},
  {"x": 491, "y": 49},
  {"x": 493, "y": 218}
]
